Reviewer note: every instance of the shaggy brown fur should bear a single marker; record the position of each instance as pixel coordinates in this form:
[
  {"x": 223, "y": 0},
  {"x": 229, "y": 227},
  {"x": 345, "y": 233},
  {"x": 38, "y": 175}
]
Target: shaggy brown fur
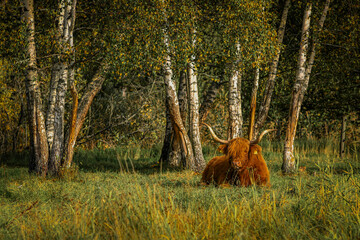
[
  {"x": 254, "y": 171},
  {"x": 238, "y": 166},
  {"x": 218, "y": 170}
]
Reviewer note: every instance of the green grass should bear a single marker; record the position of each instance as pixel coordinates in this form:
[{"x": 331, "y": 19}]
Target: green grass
[{"x": 123, "y": 194}]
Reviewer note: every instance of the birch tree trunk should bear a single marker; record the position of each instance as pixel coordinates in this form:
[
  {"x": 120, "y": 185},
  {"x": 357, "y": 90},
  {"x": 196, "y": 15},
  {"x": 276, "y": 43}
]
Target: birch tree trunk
[
  {"x": 183, "y": 96},
  {"x": 297, "y": 95},
  {"x": 38, "y": 140},
  {"x": 49, "y": 146},
  {"x": 300, "y": 86},
  {"x": 180, "y": 133},
  {"x": 57, "y": 71},
  {"x": 66, "y": 45},
  {"x": 235, "y": 114},
  {"x": 265, "y": 105},
  {"x": 80, "y": 110},
  {"x": 177, "y": 158},
  {"x": 253, "y": 104},
  {"x": 171, "y": 151},
  {"x": 314, "y": 43},
  {"x": 194, "y": 111},
  {"x": 50, "y": 114}
]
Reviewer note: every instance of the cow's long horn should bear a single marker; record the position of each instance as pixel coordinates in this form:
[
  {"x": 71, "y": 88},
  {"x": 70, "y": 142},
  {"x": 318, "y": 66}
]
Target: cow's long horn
[
  {"x": 215, "y": 137},
  {"x": 256, "y": 141}
]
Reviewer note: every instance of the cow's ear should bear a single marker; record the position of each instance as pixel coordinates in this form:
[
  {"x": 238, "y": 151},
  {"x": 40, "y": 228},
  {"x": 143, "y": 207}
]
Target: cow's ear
[
  {"x": 223, "y": 148},
  {"x": 255, "y": 149}
]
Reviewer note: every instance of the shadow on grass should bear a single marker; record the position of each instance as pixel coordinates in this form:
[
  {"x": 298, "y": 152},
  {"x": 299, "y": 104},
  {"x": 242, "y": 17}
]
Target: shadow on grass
[
  {"x": 141, "y": 166},
  {"x": 145, "y": 161},
  {"x": 337, "y": 169},
  {"x": 111, "y": 160},
  {"x": 19, "y": 159}
]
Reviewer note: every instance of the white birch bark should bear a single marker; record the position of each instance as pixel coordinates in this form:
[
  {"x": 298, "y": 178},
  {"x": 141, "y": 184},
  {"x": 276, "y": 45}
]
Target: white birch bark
[
  {"x": 178, "y": 126},
  {"x": 300, "y": 87},
  {"x": 194, "y": 110},
  {"x": 180, "y": 133},
  {"x": 235, "y": 111},
  {"x": 38, "y": 140},
  {"x": 56, "y": 72},
  {"x": 55, "y": 75},
  {"x": 66, "y": 26},
  {"x": 62, "y": 72},
  {"x": 298, "y": 90},
  {"x": 314, "y": 43},
  {"x": 171, "y": 150}
]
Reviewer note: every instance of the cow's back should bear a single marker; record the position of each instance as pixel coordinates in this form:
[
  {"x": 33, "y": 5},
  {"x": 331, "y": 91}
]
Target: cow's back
[{"x": 216, "y": 171}]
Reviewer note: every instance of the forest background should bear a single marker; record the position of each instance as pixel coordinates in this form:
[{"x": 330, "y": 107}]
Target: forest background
[{"x": 130, "y": 107}]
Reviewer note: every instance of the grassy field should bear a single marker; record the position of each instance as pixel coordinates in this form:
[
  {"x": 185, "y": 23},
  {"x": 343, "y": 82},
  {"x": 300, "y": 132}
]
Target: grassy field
[{"x": 123, "y": 194}]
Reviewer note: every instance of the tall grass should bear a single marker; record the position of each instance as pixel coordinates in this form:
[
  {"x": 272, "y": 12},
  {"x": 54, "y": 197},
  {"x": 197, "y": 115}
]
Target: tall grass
[{"x": 123, "y": 194}]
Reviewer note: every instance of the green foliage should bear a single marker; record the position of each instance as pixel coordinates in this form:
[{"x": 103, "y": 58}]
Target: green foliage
[
  {"x": 129, "y": 35},
  {"x": 336, "y": 90},
  {"x": 146, "y": 203}
]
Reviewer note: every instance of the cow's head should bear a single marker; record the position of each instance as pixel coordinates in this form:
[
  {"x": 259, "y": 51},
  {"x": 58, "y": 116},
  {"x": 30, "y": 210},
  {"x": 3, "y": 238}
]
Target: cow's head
[{"x": 237, "y": 149}]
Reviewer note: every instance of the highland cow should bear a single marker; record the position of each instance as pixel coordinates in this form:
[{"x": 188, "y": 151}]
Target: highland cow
[{"x": 242, "y": 163}]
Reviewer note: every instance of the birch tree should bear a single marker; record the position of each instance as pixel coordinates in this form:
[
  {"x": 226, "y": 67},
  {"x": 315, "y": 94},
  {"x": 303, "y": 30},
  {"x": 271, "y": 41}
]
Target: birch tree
[
  {"x": 171, "y": 150},
  {"x": 180, "y": 134},
  {"x": 61, "y": 71},
  {"x": 38, "y": 141},
  {"x": 194, "y": 110},
  {"x": 256, "y": 39},
  {"x": 300, "y": 86},
  {"x": 265, "y": 105},
  {"x": 80, "y": 109},
  {"x": 51, "y": 148},
  {"x": 235, "y": 111}
]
